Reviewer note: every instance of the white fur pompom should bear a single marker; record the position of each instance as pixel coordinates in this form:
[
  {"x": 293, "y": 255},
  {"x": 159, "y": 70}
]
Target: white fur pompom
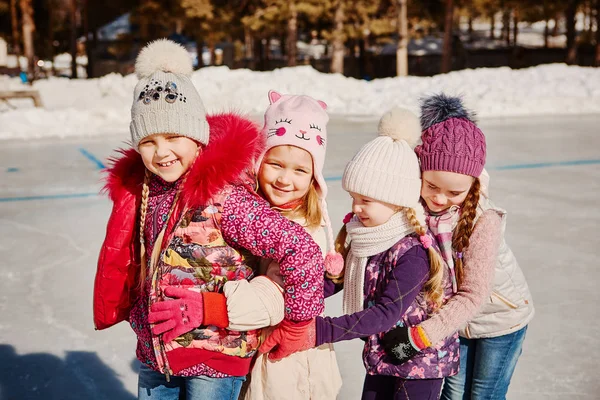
[
  {"x": 163, "y": 55},
  {"x": 401, "y": 124}
]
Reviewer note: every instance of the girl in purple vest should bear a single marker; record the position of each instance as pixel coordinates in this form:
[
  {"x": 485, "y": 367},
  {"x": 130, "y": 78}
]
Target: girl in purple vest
[{"x": 393, "y": 275}]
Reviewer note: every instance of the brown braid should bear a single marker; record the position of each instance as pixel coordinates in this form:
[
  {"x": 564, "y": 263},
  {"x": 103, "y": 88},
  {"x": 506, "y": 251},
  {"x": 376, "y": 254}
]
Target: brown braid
[
  {"x": 341, "y": 248},
  {"x": 143, "y": 210},
  {"x": 464, "y": 227},
  {"x": 433, "y": 288}
]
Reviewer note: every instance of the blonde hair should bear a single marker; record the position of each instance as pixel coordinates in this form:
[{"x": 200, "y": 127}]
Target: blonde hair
[
  {"x": 433, "y": 288},
  {"x": 158, "y": 241},
  {"x": 464, "y": 227},
  {"x": 143, "y": 211}
]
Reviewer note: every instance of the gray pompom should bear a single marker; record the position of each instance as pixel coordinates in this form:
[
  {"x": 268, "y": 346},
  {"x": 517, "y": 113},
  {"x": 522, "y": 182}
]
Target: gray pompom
[{"x": 440, "y": 107}]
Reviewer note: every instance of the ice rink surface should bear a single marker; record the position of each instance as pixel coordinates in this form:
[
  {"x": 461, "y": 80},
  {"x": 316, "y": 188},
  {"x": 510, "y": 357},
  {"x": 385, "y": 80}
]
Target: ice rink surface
[{"x": 544, "y": 170}]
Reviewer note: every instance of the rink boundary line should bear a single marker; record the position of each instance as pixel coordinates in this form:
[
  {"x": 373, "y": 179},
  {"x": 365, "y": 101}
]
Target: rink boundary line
[
  {"x": 49, "y": 197},
  {"x": 517, "y": 166},
  {"x": 329, "y": 179},
  {"x": 99, "y": 164}
]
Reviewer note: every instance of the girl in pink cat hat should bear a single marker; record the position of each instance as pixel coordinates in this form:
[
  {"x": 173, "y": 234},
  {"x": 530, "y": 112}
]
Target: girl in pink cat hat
[{"x": 289, "y": 176}]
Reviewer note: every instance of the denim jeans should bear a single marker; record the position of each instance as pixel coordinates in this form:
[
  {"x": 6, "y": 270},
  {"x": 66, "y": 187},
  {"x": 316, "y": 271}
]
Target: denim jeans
[
  {"x": 153, "y": 385},
  {"x": 486, "y": 367}
]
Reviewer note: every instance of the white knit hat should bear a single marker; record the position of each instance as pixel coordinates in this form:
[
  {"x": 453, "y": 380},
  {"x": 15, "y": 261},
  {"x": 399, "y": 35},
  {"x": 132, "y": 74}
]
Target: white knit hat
[
  {"x": 165, "y": 99},
  {"x": 387, "y": 168}
]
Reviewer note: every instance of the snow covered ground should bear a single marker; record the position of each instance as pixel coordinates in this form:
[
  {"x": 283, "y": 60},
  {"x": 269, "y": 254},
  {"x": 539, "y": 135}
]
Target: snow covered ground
[
  {"x": 545, "y": 171},
  {"x": 100, "y": 107}
]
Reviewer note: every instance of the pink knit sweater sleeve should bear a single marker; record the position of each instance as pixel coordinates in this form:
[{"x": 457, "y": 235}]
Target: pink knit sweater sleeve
[
  {"x": 250, "y": 223},
  {"x": 478, "y": 275}
]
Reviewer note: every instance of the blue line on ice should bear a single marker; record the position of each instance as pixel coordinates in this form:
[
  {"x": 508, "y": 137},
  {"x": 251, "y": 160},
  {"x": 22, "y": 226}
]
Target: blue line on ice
[
  {"x": 330, "y": 179},
  {"x": 48, "y": 197},
  {"x": 92, "y": 158},
  {"x": 518, "y": 166}
]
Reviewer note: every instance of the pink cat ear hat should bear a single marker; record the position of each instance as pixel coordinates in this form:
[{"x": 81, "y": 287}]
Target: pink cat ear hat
[{"x": 301, "y": 121}]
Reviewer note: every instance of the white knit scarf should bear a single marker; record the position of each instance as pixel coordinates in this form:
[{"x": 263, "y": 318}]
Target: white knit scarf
[{"x": 366, "y": 242}]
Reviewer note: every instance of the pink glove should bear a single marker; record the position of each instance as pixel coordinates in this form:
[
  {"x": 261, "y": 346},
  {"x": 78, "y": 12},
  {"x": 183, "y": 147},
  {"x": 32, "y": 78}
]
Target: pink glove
[
  {"x": 177, "y": 316},
  {"x": 290, "y": 337}
]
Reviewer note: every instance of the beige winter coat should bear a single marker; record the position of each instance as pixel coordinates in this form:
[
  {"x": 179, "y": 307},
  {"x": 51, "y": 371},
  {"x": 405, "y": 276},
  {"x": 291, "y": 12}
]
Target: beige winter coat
[
  {"x": 308, "y": 375},
  {"x": 509, "y": 307}
]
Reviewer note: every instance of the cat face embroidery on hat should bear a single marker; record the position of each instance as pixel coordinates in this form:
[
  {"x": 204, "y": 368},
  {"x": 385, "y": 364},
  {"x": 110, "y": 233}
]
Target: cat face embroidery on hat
[
  {"x": 296, "y": 120},
  {"x": 156, "y": 90},
  {"x": 300, "y": 121}
]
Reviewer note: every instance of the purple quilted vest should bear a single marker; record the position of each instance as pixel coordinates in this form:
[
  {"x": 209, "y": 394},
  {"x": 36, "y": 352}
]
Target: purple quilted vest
[{"x": 437, "y": 361}]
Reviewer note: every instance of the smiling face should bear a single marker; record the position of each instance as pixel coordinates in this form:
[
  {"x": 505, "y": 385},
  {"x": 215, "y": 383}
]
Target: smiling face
[
  {"x": 371, "y": 212},
  {"x": 168, "y": 156},
  {"x": 285, "y": 174},
  {"x": 442, "y": 189}
]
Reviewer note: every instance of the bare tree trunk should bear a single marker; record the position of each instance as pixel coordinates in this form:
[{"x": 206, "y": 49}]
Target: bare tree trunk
[
  {"x": 50, "y": 35},
  {"x": 28, "y": 29},
  {"x": 337, "y": 58},
  {"x": 506, "y": 26},
  {"x": 557, "y": 18},
  {"x": 199, "y": 39},
  {"x": 597, "y": 58},
  {"x": 571, "y": 39},
  {"x": 248, "y": 44},
  {"x": 493, "y": 26},
  {"x": 515, "y": 26},
  {"x": 547, "y": 21},
  {"x": 470, "y": 27},
  {"x": 14, "y": 21},
  {"x": 90, "y": 43},
  {"x": 73, "y": 37},
  {"x": 402, "y": 49},
  {"x": 447, "y": 49},
  {"x": 292, "y": 35}
]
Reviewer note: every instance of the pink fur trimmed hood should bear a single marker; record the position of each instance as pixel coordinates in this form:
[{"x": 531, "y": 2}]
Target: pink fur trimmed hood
[{"x": 234, "y": 146}]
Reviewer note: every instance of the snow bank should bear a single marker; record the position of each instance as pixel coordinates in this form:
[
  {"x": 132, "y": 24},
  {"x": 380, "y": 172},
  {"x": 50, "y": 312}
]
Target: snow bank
[{"x": 101, "y": 106}]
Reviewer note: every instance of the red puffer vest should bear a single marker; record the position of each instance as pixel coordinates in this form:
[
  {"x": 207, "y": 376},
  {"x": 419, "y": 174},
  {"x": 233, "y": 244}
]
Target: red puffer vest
[{"x": 235, "y": 144}]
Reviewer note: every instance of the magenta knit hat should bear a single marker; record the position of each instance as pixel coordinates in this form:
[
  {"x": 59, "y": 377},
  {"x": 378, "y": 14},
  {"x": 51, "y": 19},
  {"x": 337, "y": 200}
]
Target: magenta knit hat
[{"x": 451, "y": 140}]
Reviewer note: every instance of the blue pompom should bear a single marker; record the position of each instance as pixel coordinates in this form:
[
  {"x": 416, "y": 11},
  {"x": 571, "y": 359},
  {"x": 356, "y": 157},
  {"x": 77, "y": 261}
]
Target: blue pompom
[{"x": 440, "y": 107}]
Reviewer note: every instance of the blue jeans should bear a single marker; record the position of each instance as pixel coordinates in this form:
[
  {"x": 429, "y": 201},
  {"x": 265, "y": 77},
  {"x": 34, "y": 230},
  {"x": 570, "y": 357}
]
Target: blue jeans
[
  {"x": 153, "y": 385},
  {"x": 486, "y": 367}
]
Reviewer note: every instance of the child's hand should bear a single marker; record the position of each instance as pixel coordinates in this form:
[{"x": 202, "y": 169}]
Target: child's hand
[
  {"x": 398, "y": 345},
  {"x": 290, "y": 337},
  {"x": 173, "y": 318}
]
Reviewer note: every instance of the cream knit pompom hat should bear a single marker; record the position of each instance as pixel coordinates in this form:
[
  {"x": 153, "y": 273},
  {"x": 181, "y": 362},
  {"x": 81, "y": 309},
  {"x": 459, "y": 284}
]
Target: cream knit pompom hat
[
  {"x": 165, "y": 99},
  {"x": 387, "y": 168}
]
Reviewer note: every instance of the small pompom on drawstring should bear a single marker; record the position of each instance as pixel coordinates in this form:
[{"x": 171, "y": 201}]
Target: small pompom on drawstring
[
  {"x": 426, "y": 241},
  {"x": 334, "y": 263},
  {"x": 348, "y": 218}
]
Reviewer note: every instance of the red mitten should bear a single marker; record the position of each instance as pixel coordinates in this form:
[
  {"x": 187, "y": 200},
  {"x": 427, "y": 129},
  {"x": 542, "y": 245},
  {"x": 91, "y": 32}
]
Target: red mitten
[
  {"x": 290, "y": 337},
  {"x": 175, "y": 317}
]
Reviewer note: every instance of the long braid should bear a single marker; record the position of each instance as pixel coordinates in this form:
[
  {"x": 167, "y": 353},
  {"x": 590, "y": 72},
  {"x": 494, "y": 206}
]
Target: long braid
[
  {"x": 464, "y": 228},
  {"x": 433, "y": 288},
  {"x": 143, "y": 210}
]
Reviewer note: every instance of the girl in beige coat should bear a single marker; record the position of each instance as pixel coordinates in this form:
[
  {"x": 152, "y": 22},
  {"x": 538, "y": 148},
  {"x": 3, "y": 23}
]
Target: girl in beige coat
[{"x": 290, "y": 178}]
